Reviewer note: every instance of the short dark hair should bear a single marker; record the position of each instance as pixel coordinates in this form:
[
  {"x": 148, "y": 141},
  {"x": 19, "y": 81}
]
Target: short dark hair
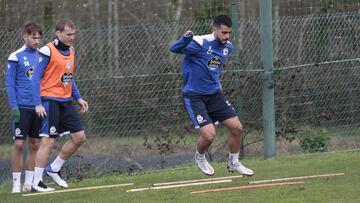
[
  {"x": 222, "y": 20},
  {"x": 60, "y": 25},
  {"x": 32, "y": 28}
]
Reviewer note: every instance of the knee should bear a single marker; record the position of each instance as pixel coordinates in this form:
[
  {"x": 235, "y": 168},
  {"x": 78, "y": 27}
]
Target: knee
[
  {"x": 209, "y": 137},
  {"x": 19, "y": 145},
  {"x": 79, "y": 138},
  {"x": 237, "y": 130}
]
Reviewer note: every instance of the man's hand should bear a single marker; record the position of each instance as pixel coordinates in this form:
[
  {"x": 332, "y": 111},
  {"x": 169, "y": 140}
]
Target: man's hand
[
  {"x": 84, "y": 105},
  {"x": 40, "y": 110},
  {"x": 15, "y": 113},
  {"x": 188, "y": 33}
]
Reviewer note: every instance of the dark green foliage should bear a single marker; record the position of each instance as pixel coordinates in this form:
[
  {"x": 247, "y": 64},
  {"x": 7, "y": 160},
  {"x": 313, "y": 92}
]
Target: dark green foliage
[{"x": 314, "y": 140}]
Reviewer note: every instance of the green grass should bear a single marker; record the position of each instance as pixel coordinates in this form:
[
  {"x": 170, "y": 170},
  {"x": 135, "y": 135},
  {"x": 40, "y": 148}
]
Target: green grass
[{"x": 333, "y": 189}]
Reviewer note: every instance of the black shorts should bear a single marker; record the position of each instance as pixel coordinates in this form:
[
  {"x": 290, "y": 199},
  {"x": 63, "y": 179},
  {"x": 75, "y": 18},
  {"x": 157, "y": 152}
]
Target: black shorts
[
  {"x": 61, "y": 117},
  {"x": 28, "y": 125},
  {"x": 205, "y": 109}
]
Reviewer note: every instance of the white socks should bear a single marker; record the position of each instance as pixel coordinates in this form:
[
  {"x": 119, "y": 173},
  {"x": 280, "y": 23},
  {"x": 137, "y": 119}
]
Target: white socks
[
  {"x": 233, "y": 157},
  {"x": 38, "y": 175},
  {"x": 29, "y": 176},
  {"x": 199, "y": 156},
  {"x": 57, "y": 164},
  {"x": 16, "y": 178}
]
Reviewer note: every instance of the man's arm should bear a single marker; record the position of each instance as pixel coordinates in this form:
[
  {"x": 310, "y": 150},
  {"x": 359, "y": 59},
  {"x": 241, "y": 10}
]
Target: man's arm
[
  {"x": 184, "y": 45},
  {"x": 10, "y": 76},
  {"x": 75, "y": 93}
]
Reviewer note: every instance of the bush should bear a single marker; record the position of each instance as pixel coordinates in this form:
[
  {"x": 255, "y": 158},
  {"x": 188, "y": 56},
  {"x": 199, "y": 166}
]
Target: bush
[{"x": 314, "y": 140}]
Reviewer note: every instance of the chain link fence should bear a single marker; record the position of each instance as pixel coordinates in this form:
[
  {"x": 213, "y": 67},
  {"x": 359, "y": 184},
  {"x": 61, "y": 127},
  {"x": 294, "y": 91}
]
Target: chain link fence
[{"x": 132, "y": 82}]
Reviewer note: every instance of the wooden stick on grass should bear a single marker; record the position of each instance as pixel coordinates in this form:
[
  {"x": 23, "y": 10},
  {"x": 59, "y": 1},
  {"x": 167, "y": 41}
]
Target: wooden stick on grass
[
  {"x": 245, "y": 187},
  {"x": 78, "y": 189},
  {"x": 197, "y": 180},
  {"x": 296, "y": 178},
  {"x": 178, "y": 185}
]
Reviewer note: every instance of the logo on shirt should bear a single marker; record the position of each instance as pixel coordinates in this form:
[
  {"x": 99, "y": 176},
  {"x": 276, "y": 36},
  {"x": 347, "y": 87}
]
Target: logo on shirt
[
  {"x": 68, "y": 65},
  {"x": 66, "y": 78},
  {"x": 228, "y": 103},
  {"x": 226, "y": 51},
  {"x": 209, "y": 51},
  {"x": 29, "y": 73},
  {"x": 214, "y": 63}
]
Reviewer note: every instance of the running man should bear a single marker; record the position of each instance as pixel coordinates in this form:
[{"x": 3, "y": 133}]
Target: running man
[
  {"x": 54, "y": 89},
  {"x": 204, "y": 101},
  {"x": 18, "y": 74}
]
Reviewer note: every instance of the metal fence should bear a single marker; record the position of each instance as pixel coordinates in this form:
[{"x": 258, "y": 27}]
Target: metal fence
[{"x": 133, "y": 83}]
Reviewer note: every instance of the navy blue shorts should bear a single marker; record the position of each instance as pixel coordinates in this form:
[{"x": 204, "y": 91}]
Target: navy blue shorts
[
  {"x": 205, "y": 109},
  {"x": 61, "y": 117},
  {"x": 29, "y": 125}
]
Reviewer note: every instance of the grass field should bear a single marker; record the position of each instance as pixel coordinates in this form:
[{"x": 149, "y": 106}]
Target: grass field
[{"x": 332, "y": 189}]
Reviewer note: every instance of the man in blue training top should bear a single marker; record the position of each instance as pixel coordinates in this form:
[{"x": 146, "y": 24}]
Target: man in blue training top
[
  {"x": 18, "y": 73},
  {"x": 204, "y": 101}
]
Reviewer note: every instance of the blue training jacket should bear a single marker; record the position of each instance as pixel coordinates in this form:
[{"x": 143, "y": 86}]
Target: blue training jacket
[
  {"x": 202, "y": 64},
  {"x": 18, "y": 74}
]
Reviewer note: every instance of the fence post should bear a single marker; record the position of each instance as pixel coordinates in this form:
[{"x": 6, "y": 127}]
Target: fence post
[
  {"x": 236, "y": 53},
  {"x": 268, "y": 107}
]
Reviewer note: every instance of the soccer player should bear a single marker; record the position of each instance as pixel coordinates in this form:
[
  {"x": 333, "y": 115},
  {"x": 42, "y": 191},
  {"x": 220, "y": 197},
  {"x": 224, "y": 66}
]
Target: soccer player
[
  {"x": 54, "y": 89},
  {"x": 18, "y": 74},
  {"x": 204, "y": 101}
]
